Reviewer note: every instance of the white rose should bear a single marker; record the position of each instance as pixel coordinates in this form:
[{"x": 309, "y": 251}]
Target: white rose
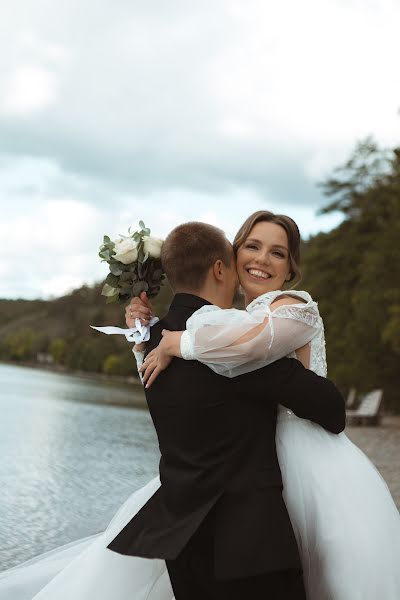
[
  {"x": 153, "y": 246},
  {"x": 126, "y": 251}
]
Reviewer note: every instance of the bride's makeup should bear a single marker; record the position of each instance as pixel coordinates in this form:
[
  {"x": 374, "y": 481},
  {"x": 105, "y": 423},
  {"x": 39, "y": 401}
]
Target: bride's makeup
[{"x": 263, "y": 263}]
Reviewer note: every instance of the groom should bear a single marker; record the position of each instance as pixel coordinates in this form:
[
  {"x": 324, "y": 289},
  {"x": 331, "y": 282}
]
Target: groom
[{"x": 219, "y": 519}]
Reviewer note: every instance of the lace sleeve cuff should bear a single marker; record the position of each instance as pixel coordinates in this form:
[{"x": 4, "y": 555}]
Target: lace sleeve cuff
[
  {"x": 187, "y": 346},
  {"x": 139, "y": 361}
]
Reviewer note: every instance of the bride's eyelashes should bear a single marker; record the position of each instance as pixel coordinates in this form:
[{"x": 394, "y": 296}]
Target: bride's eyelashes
[{"x": 274, "y": 252}]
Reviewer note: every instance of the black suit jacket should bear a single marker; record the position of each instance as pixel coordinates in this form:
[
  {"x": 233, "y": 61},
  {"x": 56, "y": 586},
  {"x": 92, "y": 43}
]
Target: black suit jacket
[{"x": 217, "y": 443}]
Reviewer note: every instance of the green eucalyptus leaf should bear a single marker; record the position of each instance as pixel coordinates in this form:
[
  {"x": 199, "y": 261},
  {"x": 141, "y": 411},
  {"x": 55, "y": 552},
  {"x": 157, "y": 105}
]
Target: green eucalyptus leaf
[
  {"x": 132, "y": 267},
  {"x": 108, "y": 290},
  {"x": 112, "y": 280},
  {"x": 116, "y": 269},
  {"x": 126, "y": 276},
  {"x": 142, "y": 225}
]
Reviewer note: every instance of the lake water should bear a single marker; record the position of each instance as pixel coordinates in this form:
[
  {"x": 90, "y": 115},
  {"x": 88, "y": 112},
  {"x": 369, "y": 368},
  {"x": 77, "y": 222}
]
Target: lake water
[{"x": 66, "y": 462}]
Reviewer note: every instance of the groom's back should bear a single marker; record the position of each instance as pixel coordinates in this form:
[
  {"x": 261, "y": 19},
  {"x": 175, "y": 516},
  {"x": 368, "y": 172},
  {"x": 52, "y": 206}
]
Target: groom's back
[
  {"x": 197, "y": 411},
  {"x": 217, "y": 444}
]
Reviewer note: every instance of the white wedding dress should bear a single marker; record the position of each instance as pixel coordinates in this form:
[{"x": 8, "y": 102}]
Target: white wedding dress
[{"x": 346, "y": 523}]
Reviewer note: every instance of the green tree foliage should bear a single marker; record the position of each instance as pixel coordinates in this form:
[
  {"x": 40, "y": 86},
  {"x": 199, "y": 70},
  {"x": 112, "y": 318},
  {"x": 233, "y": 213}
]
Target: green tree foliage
[
  {"x": 111, "y": 364},
  {"x": 22, "y": 344},
  {"x": 391, "y": 333},
  {"x": 119, "y": 364},
  {"x": 61, "y": 327},
  {"x": 354, "y": 272},
  {"x": 57, "y": 349}
]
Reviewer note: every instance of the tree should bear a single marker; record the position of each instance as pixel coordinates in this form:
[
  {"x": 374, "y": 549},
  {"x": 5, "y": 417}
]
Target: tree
[
  {"x": 120, "y": 364},
  {"x": 57, "y": 350},
  {"x": 354, "y": 270},
  {"x": 22, "y": 344}
]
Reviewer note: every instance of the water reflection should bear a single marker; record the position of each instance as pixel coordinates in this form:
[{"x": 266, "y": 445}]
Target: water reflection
[{"x": 66, "y": 466}]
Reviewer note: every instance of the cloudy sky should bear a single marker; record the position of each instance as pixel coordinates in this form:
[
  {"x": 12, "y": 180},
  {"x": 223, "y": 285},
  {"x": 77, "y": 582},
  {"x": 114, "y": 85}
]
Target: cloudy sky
[{"x": 111, "y": 112}]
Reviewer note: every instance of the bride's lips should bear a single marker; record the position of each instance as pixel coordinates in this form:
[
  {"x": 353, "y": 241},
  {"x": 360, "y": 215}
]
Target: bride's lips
[{"x": 258, "y": 274}]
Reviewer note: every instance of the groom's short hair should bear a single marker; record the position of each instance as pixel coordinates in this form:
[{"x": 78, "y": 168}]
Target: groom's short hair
[{"x": 190, "y": 250}]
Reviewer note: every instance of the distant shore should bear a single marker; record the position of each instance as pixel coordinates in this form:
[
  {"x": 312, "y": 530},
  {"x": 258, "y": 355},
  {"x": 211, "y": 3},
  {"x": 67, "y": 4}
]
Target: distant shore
[{"x": 126, "y": 379}]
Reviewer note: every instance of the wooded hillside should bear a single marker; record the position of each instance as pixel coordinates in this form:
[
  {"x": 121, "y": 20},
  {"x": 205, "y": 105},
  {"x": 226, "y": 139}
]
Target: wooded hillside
[{"x": 354, "y": 273}]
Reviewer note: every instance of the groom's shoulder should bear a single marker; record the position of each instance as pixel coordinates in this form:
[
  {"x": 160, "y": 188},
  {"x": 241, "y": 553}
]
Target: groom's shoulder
[
  {"x": 166, "y": 322},
  {"x": 155, "y": 334}
]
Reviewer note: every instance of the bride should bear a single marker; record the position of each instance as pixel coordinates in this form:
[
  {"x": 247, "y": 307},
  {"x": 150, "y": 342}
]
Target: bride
[{"x": 345, "y": 521}]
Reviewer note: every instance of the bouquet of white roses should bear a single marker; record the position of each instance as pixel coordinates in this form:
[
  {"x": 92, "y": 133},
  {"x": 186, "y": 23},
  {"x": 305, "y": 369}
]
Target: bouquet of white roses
[{"x": 135, "y": 265}]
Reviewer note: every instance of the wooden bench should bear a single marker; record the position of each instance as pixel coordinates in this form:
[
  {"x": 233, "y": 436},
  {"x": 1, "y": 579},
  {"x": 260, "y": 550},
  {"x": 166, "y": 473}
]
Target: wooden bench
[{"x": 369, "y": 411}]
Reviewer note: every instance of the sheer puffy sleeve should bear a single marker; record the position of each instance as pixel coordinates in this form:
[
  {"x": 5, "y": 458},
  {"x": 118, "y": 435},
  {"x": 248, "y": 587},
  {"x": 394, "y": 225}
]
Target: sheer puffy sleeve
[{"x": 232, "y": 342}]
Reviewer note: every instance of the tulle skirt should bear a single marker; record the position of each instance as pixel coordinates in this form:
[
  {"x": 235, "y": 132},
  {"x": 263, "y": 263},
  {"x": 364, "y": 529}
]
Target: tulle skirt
[
  {"x": 87, "y": 570},
  {"x": 345, "y": 521}
]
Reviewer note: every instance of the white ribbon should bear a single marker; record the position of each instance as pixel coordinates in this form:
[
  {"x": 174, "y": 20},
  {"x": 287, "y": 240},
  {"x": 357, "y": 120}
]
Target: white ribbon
[{"x": 138, "y": 334}]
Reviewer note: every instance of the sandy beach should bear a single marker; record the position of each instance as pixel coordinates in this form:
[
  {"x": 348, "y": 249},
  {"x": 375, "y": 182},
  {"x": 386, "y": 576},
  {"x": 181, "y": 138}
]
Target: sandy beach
[{"x": 382, "y": 446}]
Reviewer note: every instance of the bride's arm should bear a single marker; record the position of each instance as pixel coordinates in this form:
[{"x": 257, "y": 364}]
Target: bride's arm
[
  {"x": 175, "y": 346},
  {"x": 232, "y": 342}
]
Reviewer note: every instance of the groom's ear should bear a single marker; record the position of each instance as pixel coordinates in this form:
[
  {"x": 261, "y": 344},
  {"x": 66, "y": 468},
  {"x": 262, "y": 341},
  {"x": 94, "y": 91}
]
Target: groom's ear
[{"x": 219, "y": 270}]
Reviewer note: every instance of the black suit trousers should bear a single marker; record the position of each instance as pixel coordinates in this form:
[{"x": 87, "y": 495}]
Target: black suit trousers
[{"x": 192, "y": 575}]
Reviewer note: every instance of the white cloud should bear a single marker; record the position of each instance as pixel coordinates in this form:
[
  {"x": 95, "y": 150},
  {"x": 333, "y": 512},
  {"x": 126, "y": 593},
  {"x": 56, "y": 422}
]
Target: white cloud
[
  {"x": 31, "y": 75},
  {"x": 309, "y": 69},
  {"x": 59, "y": 285},
  {"x": 44, "y": 50},
  {"x": 51, "y": 247},
  {"x": 179, "y": 111},
  {"x": 30, "y": 89},
  {"x": 145, "y": 99}
]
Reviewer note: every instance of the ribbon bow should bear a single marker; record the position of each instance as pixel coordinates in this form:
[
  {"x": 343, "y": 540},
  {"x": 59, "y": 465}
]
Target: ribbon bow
[{"x": 136, "y": 335}]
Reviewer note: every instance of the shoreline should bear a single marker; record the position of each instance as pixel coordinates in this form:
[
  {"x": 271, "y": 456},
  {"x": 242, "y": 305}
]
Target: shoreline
[
  {"x": 125, "y": 379},
  {"x": 381, "y": 444}
]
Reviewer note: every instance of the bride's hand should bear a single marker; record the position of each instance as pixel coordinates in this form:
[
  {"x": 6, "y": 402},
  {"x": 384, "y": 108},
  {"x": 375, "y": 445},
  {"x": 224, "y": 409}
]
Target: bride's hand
[
  {"x": 139, "y": 308},
  {"x": 159, "y": 359}
]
